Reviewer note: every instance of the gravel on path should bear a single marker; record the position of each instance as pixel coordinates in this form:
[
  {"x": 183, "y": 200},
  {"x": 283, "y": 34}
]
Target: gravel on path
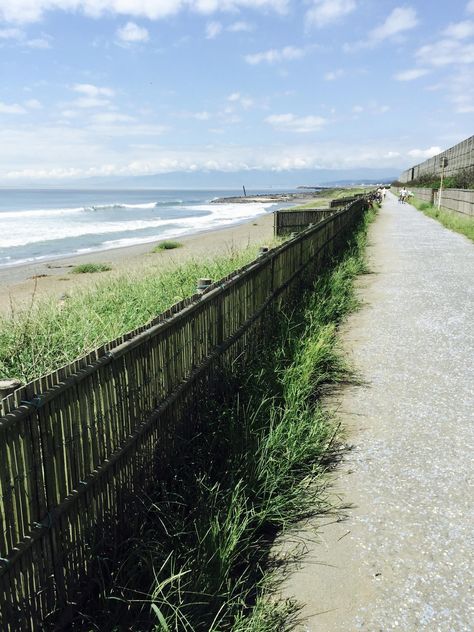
[{"x": 402, "y": 558}]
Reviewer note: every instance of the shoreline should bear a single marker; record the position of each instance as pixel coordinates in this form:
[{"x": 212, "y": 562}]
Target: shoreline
[
  {"x": 23, "y": 284},
  {"x": 273, "y": 198}
]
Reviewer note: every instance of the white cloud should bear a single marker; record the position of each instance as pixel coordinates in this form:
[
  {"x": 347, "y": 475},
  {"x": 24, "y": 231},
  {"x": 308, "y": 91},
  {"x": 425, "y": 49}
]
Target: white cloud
[
  {"x": 20, "y": 38},
  {"x": 446, "y": 52},
  {"x": 460, "y": 30},
  {"x": 460, "y": 90},
  {"x": 324, "y": 12},
  {"x": 112, "y": 117},
  {"x": 424, "y": 153},
  {"x": 372, "y": 107},
  {"x": 23, "y": 11},
  {"x": 70, "y": 114},
  {"x": 132, "y": 33},
  {"x": 400, "y": 19},
  {"x": 11, "y": 108},
  {"x": 299, "y": 124},
  {"x": 333, "y": 75},
  {"x": 240, "y": 27},
  {"x": 92, "y": 91},
  {"x": 274, "y": 55},
  {"x": 212, "y": 6},
  {"x": 11, "y": 34},
  {"x": 213, "y": 29},
  {"x": 243, "y": 101},
  {"x": 64, "y": 151},
  {"x": 33, "y": 104},
  {"x": 410, "y": 75},
  {"x": 93, "y": 96},
  {"x": 39, "y": 42},
  {"x": 91, "y": 102}
]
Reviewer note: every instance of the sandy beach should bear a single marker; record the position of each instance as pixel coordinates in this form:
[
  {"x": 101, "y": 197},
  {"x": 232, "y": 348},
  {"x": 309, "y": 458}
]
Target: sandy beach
[{"x": 23, "y": 284}]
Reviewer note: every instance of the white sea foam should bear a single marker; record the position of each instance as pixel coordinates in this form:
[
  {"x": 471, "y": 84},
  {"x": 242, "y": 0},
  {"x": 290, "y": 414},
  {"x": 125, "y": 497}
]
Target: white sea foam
[
  {"x": 59, "y": 212},
  {"x": 47, "y": 226},
  {"x": 50, "y": 232}
]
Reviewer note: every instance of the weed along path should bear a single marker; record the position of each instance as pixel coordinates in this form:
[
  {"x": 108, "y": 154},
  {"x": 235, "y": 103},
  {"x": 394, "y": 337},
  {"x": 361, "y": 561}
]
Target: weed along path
[{"x": 401, "y": 556}]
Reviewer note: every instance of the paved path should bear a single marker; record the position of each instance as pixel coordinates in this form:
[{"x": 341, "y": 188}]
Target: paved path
[{"x": 403, "y": 558}]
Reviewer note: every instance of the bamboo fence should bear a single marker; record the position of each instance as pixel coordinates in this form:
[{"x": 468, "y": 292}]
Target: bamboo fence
[
  {"x": 343, "y": 201},
  {"x": 76, "y": 445},
  {"x": 287, "y": 222}
]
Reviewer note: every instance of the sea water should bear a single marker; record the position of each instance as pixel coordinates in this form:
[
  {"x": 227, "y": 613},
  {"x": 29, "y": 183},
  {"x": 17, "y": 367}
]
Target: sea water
[{"x": 44, "y": 224}]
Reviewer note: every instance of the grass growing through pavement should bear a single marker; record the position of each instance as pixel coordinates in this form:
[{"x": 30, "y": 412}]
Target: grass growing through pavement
[
  {"x": 50, "y": 334},
  {"x": 454, "y": 221},
  {"x": 167, "y": 245},
  {"x": 199, "y": 554}
]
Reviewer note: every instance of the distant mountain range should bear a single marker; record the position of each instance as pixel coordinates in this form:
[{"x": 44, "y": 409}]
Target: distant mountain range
[{"x": 251, "y": 179}]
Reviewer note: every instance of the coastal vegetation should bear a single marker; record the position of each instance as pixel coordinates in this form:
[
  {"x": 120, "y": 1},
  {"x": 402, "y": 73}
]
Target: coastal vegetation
[
  {"x": 90, "y": 268},
  {"x": 199, "y": 553},
  {"x": 463, "y": 179},
  {"x": 49, "y": 333},
  {"x": 326, "y": 195},
  {"x": 167, "y": 245},
  {"x": 463, "y": 224}
]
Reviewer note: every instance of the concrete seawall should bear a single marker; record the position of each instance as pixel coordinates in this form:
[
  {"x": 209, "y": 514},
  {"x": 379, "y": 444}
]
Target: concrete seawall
[{"x": 460, "y": 156}]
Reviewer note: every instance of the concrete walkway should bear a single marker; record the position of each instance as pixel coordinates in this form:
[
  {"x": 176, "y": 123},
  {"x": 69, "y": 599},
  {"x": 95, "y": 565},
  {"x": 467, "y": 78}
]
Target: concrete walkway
[{"x": 402, "y": 559}]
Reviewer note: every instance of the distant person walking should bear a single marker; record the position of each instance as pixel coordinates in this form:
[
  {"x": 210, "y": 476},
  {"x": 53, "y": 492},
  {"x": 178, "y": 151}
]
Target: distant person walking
[
  {"x": 402, "y": 197},
  {"x": 384, "y": 193}
]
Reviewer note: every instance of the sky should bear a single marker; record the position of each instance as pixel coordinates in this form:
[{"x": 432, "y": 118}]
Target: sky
[{"x": 136, "y": 87}]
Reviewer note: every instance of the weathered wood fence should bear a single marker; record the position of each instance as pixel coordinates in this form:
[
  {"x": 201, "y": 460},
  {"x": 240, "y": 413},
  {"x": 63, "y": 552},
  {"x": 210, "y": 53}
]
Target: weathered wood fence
[
  {"x": 342, "y": 201},
  {"x": 287, "y": 222},
  {"x": 76, "y": 445}
]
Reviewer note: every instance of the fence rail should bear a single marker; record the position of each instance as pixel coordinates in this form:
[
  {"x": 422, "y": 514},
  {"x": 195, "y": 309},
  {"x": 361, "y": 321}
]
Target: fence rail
[{"x": 75, "y": 445}]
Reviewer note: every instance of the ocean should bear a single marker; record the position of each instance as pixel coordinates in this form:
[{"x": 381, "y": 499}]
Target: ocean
[{"x": 44, "y": 224}]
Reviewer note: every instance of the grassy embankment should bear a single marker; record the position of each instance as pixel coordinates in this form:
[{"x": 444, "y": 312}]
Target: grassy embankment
[
  {"x": 38, "y": 340},
  {"x": 199, "y": 554},
  {"x": 325, "y": 196},
  {"x": 454, "y": 221}
]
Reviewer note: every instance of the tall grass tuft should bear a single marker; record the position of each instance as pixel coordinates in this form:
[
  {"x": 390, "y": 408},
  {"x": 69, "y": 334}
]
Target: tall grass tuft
[
  {"x": 198, "y": 558},
  {"x": 90, "y": 268},
  {"x": 167, "y": 245}
]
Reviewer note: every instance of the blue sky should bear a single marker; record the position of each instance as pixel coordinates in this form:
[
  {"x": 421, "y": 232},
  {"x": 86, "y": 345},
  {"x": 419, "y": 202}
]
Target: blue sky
[{"x": 134, "y": 87}]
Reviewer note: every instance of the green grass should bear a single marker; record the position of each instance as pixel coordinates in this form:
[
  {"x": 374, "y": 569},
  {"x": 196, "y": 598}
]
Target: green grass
[
  {"x": 167, "y": 245},
  {"x": 48, "y": 335},
  {"x": 89, "y": 268},
  {"x": 199, "y": 555},
  {"x": 454, "y": 221},
  {"x": 325, "y": 197}
]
